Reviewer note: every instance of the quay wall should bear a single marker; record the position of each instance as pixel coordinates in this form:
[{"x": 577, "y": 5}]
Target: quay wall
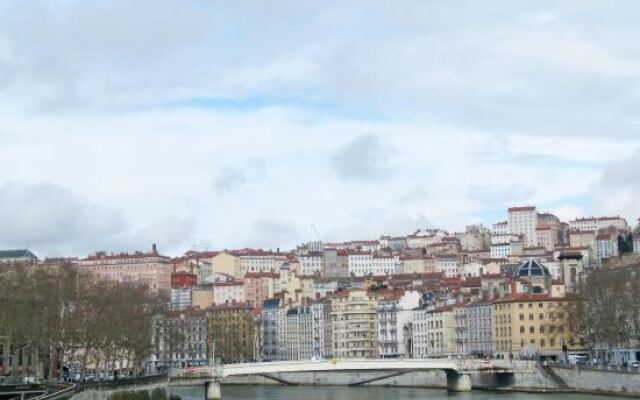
[
  {"x": 600, "y": 381},
  {"x": 148, "y": 388}
]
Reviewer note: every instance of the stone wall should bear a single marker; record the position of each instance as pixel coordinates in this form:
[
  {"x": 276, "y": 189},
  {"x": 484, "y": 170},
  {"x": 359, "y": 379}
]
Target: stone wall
[
  {"x": 158, "y": 390},
  {"x": 603, "y": 381}
]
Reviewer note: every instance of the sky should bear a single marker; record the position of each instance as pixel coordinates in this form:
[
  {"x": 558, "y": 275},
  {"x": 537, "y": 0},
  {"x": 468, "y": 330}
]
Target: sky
[{"x": 212, "y": 125}]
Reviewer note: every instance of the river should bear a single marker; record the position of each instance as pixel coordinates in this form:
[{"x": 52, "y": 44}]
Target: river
[{"x": 255, "y": 392}]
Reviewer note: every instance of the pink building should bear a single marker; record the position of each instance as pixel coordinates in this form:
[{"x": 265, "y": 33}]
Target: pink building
[
  {"x": 258, "y": 286},
  {"x": 150, "y": 269}
]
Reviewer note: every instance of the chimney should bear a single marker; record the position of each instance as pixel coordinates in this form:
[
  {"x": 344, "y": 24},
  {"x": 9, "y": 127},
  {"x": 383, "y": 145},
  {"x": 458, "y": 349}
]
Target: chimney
[{"x": 154, "y": 249}]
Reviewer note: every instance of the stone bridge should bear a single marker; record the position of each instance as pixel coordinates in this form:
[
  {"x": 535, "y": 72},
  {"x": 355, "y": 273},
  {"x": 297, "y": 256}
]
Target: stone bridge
[{"x": 457, "y": 371}]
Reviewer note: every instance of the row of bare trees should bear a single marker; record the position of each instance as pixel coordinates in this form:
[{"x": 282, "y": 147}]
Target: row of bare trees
[
  {"x": 609, "y": 313},
  {"x": 55, "y": 317}
]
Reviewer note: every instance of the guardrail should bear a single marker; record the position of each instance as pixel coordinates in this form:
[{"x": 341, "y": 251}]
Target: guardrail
[{"x": 67, "y": 390}]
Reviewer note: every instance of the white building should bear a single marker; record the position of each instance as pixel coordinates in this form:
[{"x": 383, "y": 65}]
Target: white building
[
  {"x": 363, "y": 264},
  {"x": 500, "y": 228},
  {"x": 260, "y": 261},
  {"x": 477, "y": 269},
  {"x": 598, "y": 223},
  {"x": 394, "y": 313},
  {"x": 523, "y": 221},
  {"x": 299, "y": 333},
  {"x": 636, "y": 244},
  {"x": 311, "y": 263},
  {"x": 180, "y": 298},
  {"x": 422, "y": 239},
  {"x": 228, "y": 292},
  {"x": 271, "y": 341},
  {"x": 606, "y": 246},
  {"x": 474, "y": 333},
  {"x": 500, "y": 250},
  {"x": 322, "y": 328},
  {"x": 447, "y": 264}
]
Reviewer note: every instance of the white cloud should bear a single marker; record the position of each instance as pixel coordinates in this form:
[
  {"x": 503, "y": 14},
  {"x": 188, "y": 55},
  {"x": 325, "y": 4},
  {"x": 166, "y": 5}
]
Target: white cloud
[
  {"x": 365, "y": 158},
  {"x": 414, "y": 107}
]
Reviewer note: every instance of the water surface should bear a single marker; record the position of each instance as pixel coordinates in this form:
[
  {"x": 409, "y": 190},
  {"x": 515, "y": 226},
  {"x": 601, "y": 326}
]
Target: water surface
[{"x": 256, "y": 392}]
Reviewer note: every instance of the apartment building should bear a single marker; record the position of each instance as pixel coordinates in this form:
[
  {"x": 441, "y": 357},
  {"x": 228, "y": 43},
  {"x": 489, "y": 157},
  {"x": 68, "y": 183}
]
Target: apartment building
[
  {"x": 523, "y": 221},
  {"x": 150, "y": 269},
  {"x": 394, "y": 313},
  {"x": 606, "y": 246},
  {"x": 298, "y": 339},
  {"x": 354, "y": 320},
  {"x": 258, "y": 286},
  {"x": 232, "y": 332},
  {"x": 534, "y": 325},
  {"x": 474, "y": 329},
  {"x": 180, "y": 338},
  {"x": 363, "y": 264},
  {"x": 272, "y": 314},
  {"x": 599, "y": 223},
  {"x": 311, "y": 263},
  {"x": 434, "y": 332},
  {"x": 448, "y": 264}
]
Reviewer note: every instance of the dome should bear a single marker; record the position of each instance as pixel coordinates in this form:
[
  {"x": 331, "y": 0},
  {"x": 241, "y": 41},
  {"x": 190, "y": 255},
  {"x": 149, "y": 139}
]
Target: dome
[{"x": 531, "y": 268}]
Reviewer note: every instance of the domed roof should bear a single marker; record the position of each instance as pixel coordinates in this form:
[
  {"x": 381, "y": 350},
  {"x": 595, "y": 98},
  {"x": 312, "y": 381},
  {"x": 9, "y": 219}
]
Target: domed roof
[{"x": 531, "y": 268}]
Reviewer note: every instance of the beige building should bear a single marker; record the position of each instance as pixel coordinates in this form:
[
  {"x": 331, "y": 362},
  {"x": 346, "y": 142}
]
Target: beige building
[
  {"x": 418, "y": 265},
  {"x": 150, "y": 269},
  {"x": 434, "y": 332},
  {"x": 355, "y": 327},
  {"x": 527, "y": 324},
  {"x": 294, "y": 288},
  {"x": 226, "y": 263},
  {"x": 583, "y": 239},
  {"x": 202, "y": 296}
]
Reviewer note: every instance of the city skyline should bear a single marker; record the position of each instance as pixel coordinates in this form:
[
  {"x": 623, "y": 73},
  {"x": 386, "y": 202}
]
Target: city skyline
[{"x": 197, "y": 133}]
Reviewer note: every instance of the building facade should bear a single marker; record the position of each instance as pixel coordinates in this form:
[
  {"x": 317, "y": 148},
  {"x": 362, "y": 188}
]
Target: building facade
[
  {"x": 232, "y": 332},
  {"x": 354, "y": 320},
  {"x": 180, "y": 338}
]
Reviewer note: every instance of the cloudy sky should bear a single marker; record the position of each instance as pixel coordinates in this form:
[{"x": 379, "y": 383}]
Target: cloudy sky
[{"x": 209, "y": 125}]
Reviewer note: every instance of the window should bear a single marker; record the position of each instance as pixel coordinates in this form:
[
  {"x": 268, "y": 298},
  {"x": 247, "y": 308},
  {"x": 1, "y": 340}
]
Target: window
[
  {"x": 530, "y": 317},
  {"x": 532, "y": 329},
  {"x": 522, "y": 329},
  {"x": 521, "y": 317}
]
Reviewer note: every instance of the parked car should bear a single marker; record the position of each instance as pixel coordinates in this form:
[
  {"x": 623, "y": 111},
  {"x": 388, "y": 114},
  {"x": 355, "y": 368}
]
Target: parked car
[{"x": 635, "y": 364}]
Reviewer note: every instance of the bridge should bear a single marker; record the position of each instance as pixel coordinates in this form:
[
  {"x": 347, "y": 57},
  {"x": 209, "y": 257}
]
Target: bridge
[{"x": 457, "y": 371}]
